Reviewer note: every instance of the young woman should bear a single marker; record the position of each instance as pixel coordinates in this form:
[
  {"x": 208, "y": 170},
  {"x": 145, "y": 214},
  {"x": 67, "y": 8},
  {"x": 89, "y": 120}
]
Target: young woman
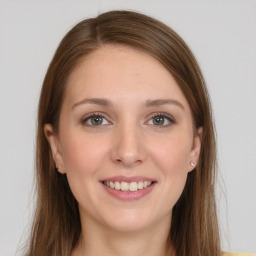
[{"x": 125, "y": 145}]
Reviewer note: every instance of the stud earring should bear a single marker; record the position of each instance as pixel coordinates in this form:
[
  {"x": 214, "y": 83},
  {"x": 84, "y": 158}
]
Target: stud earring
[{"x": 192, "y": 164}]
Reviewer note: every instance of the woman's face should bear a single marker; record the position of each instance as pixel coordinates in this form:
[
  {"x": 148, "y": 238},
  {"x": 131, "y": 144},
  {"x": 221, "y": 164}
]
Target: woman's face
[{"x": 125, "y": 140}]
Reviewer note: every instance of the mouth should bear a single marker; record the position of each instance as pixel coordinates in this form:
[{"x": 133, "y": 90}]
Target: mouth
[{"x": 128, "y": 188}]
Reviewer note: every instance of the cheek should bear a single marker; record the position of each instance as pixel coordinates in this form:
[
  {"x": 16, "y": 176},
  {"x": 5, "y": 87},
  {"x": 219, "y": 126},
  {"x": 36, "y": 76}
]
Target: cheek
[
  {"x": 172, "y": 155},
  {"x": 82, "y": 155},
  {"x": 172, "y": 160},
  {"x": 83, "y": 159}
]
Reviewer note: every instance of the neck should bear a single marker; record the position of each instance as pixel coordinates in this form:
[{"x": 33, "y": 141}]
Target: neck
[{"x": 96, "y": 240}]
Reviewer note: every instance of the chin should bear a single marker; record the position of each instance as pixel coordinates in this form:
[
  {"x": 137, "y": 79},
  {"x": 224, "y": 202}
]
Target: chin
[{"x": 129, "y": 220}]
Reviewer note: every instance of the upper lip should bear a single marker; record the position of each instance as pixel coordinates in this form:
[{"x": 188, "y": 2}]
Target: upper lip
[{"x": 127, "y": 179}]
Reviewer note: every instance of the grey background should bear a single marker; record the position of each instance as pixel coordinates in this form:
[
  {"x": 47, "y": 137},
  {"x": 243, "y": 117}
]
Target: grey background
[{"x": 222, "y": 35}]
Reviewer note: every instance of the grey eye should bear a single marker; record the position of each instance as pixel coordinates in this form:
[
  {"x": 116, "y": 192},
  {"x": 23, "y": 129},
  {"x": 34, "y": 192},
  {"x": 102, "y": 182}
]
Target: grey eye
[
  {"x": 158, "y": 120},
  {"x": 95, "y": 120},
  {"x": 161, "y": 120}
]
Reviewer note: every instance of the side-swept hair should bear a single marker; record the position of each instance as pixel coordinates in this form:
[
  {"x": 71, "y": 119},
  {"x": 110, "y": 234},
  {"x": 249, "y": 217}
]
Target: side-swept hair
[{"x": 56, "y": 228}]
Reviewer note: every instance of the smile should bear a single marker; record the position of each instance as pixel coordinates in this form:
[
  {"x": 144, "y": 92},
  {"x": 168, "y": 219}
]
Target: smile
[
  {"x": 128, "y": 188},
  {"x": 125, "y": 186}
]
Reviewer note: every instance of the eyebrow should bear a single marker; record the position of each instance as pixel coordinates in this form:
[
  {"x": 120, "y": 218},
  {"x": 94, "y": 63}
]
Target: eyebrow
[
  {"x": 149, "y": 103},
  {"x": 96, "y": 101},
  {"x": 160, "y": 102}
]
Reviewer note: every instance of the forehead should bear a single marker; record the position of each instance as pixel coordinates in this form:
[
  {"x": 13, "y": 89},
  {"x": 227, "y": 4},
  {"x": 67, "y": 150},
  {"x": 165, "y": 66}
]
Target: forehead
[{"x": 121, "y": 73}]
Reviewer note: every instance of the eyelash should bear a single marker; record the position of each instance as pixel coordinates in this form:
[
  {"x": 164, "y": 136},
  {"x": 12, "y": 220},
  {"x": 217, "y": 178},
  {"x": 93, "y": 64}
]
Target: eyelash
[
  {"x": 85, "y": 119},
  {"x": 170, "y": 119}
]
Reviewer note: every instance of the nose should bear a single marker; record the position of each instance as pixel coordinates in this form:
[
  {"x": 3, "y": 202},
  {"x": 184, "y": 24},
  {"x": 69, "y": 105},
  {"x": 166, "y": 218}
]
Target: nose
[{"x": 128, "y": 147}]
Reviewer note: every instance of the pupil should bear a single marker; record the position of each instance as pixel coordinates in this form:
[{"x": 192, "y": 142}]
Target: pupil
[
  {"x": 158, "y": 120},
  {"x": 97, "y": 120}
]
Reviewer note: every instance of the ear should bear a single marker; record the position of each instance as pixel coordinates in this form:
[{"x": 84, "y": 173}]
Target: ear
[
  {"x": 196, "y": 148},
  {"x": 53, "y": 141}
]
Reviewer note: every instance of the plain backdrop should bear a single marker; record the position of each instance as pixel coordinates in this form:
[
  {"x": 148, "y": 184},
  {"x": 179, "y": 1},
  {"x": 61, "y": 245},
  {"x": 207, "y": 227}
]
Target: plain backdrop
[{"x": 222, "y": 35}]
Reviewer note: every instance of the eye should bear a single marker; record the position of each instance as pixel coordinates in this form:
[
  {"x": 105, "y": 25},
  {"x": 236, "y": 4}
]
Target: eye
[
  {"x": 160, "y": 119},
  {"x": 95, "y": 120}
]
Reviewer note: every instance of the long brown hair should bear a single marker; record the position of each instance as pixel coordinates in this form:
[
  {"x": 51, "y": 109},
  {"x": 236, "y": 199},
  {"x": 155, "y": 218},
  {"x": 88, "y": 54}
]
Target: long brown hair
[{"x": 56, "y": 228}]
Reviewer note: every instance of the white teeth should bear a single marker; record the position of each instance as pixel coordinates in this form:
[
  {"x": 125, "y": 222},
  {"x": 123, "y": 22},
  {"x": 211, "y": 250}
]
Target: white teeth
[
  {"x": 125, "y": 186},
  {"x": 133, "y": 186},
  {"x": 140, "y": 185},
  {"x": 112, "y": 185},
  {"x": 117, "y": 185}
]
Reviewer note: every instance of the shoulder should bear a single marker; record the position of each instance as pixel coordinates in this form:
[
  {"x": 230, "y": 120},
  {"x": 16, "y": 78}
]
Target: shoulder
[{"x": 237, "y": 254}]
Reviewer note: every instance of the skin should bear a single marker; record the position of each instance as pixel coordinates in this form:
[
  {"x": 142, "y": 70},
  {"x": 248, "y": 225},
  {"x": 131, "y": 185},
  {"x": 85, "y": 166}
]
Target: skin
[{"x": 128, "y": 143}]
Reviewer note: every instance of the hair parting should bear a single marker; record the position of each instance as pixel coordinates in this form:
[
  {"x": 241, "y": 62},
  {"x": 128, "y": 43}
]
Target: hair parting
[{"x": 56, "y": 228}]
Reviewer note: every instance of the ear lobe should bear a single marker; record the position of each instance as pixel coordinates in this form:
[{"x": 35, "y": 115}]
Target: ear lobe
[
  {"x": 196, "y": 148},
  {"x": 53, "y": 141}
]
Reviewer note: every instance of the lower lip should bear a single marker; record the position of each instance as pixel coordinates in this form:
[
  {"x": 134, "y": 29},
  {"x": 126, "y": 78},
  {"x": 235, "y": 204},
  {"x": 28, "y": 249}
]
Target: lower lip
[{"x": 128, "y": 195}]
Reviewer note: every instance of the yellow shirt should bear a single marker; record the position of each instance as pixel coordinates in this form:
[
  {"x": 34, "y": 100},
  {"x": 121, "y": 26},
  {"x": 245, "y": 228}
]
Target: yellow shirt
[{"x": 236, "y": 254}]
